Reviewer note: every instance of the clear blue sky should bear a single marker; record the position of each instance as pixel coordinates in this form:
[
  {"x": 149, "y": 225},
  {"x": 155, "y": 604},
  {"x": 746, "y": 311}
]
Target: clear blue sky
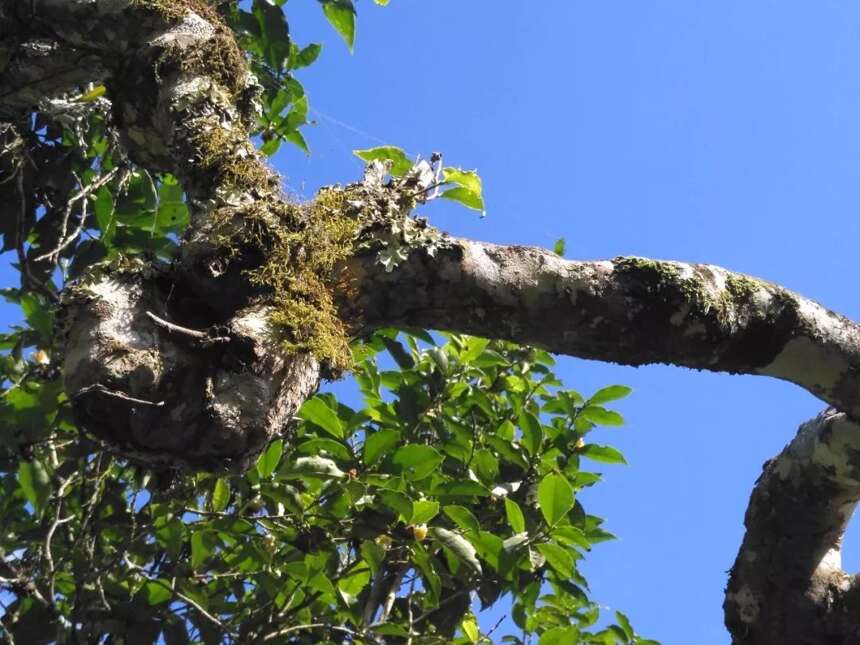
[{"x": 721, "y": 132}]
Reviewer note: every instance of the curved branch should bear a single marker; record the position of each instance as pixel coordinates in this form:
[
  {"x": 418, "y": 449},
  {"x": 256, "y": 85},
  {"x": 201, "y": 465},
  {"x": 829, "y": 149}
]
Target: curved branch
[
  {"x": 631, "y": 311},
  {"x": 787, "y": 585}
]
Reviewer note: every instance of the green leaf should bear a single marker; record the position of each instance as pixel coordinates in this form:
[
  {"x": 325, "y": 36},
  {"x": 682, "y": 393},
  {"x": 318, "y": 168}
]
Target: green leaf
[
  {"x": 470, "y": 628},
  {"x": 559, "y": 247},
  {"x": 298, "y": 139},
  {"x": 465, "y": 197},
  {"x": 486, "y": 466},
  {"x": 474, "y": 348},
  {"x": 603, "y": 454},
  {"x": 274, "y": 33},
  {"x": 559, "y": 636},
  {"x": 417, "y": 460},
  {"x": 202, "y": 544},
  {"x": 103, "y": 211},
  {"x": 313, "y": 466},
  {"x": 555, "y": 497},
  {"x": 403, "y": 358},
  {"x": 468, "y": 190},
  {"x": 468, "y": 179},
  {"x": 268, "y": 461},
  {"x": 221, "y": 494},
  {"x": 341, "y": 15},
  {"x": 600, "y": 416},
  {"x": 610, "y": 393},
  {"x": 36, "y": 484},
  {"x": 459, "y": 546},
  {"x": 373, "y": 554},
  {"x": 532, "y": 434},
  {"x": 38, "y": 316},
  {"x": 157, "y": 592},
  {"x": 399, "y": 502},
  {"x": 400, "y": 163},
  {"x": 378, "y": 443},
  {"x": 322, "y": 445},
  {"x": 462, "y": 517},
  {"x": 624, "y": 624},
  {"x": 320, "y": 414},
  {"x": 461, "y": 489},
  {"x": 390, "y": 629},
  {"x": 303, "y": 57},
  {"x": 515, "y": 516},
  {"x": 424, "y": 510},
  {"x": 558, "y": 558}
]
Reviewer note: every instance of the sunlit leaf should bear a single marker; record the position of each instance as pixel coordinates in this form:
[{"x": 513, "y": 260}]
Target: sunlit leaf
[{"x": 555, "y": 497}]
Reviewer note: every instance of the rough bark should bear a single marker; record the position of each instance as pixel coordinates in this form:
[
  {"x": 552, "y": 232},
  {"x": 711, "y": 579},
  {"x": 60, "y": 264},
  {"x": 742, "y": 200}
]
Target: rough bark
[
  {"x": 630, "y": 311},
  {"x": 181, "y": 366},
  {"x": 787, "y": 585}
]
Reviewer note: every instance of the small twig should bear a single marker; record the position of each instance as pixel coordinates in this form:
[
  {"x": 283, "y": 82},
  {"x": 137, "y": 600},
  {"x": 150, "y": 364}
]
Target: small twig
[
  {"x": 49, "y": 558},
  {"x": 392, "y": 593},
  {"x": 201, "y": 336},
  {"x": 409, "y": 609},
  {"x": 7, "y": 634},
  {"x": 98, "y": 387},
  {"x": 436, "y": 158},
  {"x": 373, "y": 597},
  {"x": 298, "y": 628},
  {"x": 444, "y": 602},
  {"x": 67, "y": 212},
  {"x": 173, "y": 327},
  {"x": 172, "y": 589},
  {"x": 496, "y": 626},
  {"x": 28, "y": 277}
]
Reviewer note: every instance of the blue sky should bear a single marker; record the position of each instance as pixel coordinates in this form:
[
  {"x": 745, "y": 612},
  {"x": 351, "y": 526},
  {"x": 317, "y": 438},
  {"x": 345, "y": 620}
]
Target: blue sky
[{"x": 722, "y": 132}]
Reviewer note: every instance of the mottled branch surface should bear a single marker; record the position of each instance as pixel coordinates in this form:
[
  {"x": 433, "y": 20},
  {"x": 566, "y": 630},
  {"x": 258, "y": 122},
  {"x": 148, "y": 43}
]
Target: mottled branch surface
[
  {"x": 182, "y": 102},
  {"x": 787, "y": 585},
  {"x": 630, "y": 311}
]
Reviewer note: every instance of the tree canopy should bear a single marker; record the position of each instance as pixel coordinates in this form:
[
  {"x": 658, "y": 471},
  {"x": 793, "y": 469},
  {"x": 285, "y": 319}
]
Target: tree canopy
[{"x": 169, "y": 471}]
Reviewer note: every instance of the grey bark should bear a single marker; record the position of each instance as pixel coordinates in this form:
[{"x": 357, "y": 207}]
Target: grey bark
[{"x": 168, "y": 396}]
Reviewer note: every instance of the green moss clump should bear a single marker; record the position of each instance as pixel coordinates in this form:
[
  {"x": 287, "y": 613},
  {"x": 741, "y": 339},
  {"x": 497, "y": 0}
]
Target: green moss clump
[
  {"x": 303, "y": 246},
  {"x": 741, "y": 287},
  {"x": 218, "y": 58},
  {"x": 229, "y": 159}
]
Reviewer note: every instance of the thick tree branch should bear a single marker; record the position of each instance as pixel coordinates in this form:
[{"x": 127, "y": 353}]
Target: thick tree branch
[
  {"x": 787, "y": 585},
  {"x": 631, "y": 311}
]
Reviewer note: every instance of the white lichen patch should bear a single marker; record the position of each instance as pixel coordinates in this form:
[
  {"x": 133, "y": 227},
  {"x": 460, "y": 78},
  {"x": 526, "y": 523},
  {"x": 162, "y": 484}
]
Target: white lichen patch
[
  {"x": 831, "y": 562},
  {"x": 838, "y": 450},
  {"x": 487, "y": 273},
  {"x": 189, "y": 29},
  {"x": 118, "y": 302},
  {"x": 807, "y": 363},
  {"x": 747, "y": 604}
]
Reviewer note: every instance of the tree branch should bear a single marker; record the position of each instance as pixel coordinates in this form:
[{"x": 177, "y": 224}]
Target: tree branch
[
  {"x": 787, "y": 585},
  {"x": 631, "y": 311}
]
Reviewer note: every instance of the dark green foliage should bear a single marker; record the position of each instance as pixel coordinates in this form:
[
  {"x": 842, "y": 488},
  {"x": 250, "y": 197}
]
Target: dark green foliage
[
  {"x": 453, "y": 487},
  {"x": 459, "y": 476}
]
